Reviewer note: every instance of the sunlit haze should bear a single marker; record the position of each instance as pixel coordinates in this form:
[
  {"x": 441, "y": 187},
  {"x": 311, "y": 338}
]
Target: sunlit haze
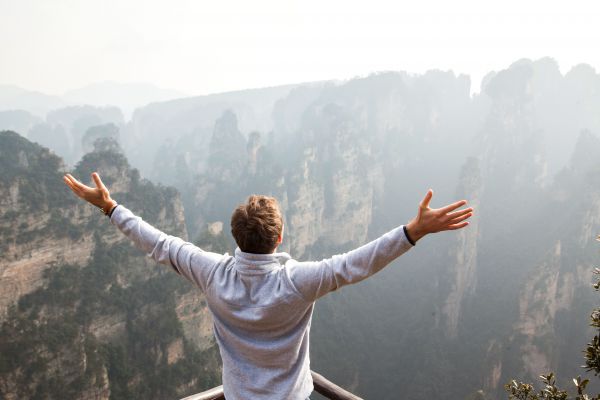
[{"x": 200, "y": 47}]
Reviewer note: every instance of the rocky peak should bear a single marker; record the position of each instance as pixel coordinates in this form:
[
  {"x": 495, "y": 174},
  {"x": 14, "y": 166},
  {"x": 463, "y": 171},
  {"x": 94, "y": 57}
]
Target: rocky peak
[
  {"x": 94, "y": 133},
  {"x": 227, "y": 153},
  {"x": 586, "y": 154},
  {"x": 107, "y": 159},
  {"x": 463, "y": 250},
  {"x": 18, "y": 120},
  {"x": 252, "y": 147},
  {"x": 29, "y": 173}
]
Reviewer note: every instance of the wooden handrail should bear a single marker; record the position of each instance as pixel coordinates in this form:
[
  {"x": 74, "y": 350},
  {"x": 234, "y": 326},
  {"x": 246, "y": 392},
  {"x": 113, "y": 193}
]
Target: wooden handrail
[
  {"x": 215, "y": 393},
  {"x": 321, "y": 384},
  {"x": 331, "y": 390}
]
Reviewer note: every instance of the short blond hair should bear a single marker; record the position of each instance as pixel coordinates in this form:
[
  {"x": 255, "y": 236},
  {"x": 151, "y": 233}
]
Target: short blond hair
[{"x": 257, "y": 225}]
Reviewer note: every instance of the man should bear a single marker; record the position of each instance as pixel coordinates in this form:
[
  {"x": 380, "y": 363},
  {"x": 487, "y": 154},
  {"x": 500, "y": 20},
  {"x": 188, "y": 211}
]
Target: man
[{"x": 262, "y": 301}]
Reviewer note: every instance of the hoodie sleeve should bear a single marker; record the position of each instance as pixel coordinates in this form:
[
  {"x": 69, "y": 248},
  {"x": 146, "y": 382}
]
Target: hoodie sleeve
[
  {"x": 185, "y": 258},
  {"x": 317, "y": 278}
]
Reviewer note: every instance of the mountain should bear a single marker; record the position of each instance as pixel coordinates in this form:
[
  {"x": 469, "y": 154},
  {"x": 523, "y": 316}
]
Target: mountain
[
  {"x": 457, "y": 316},
  {"x": 178, "y": 131},
  {"x": 68, "y": 131},
  {"x": 83, "y": 314},
  {"x": 18, "y": 120},
  {"x": 126, "y": 96},
  {"x": 36, "y": 103},
  {"x": 63, "y": 127}
]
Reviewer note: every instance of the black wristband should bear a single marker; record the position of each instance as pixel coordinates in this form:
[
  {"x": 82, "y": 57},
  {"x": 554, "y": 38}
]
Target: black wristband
[
  {"x": 408, "y": 237},
  {"x": 110, "y": 213}
]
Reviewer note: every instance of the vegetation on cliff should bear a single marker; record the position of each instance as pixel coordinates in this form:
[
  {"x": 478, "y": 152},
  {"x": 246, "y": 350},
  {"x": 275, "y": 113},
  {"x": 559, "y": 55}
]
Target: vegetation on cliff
[
  {"x": 551, "y": 391},
  {"x": 108, "y": 324}
]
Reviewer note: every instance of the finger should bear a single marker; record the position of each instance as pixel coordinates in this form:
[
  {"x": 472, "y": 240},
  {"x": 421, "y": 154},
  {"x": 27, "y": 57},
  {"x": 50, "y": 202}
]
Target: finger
[
  {"x": 457, "y": 226},
  {"x": 78, "y": 184},
  {"x": 459, "y": 219},
  {"x": 72, "y": 186},
  {"x": 69, "y": 182},
  {"x": 453, "y": 206},
  {"x": 459, "y": 213},
  {"x": 426, "y": 199},
  {"x": 98, "y": 181}
]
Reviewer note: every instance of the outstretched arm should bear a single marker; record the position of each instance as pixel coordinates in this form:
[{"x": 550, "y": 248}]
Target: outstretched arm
[
  {"x": 187, "y": 259},
  {"x": 315, "y": 279}
]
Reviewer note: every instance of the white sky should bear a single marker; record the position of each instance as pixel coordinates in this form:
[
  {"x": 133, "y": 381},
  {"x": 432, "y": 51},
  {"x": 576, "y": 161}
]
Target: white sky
[{"x": 201, "y": 46}]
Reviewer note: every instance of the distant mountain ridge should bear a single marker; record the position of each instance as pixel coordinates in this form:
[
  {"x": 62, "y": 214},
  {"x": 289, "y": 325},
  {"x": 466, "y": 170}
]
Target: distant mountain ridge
[
  {"x": 126, "y": 96},
  {"x": 37, "y": 103}
]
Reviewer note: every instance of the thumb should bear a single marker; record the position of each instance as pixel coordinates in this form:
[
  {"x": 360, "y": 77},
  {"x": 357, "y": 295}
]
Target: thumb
[
  {"x": 98, "y": 182},
  {"x": 427, "y": 199}
]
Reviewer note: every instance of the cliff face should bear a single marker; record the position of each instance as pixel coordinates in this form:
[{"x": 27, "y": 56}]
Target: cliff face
[
  {"x": 330, "y": 186},
  {"x": 33, "y": 223},
  {"x": 534, "y": 250},
  {"x": 551, "y": 294},
  {"x": 463, "y": 251},
  {"x": 84, "y": 314}
]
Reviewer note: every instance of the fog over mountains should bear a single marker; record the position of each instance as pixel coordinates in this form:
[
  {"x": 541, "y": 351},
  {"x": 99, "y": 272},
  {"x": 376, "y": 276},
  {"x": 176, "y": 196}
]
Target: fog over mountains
[
  {"x": 126, "y": 96},
  {"x": 455, "y": 318}
]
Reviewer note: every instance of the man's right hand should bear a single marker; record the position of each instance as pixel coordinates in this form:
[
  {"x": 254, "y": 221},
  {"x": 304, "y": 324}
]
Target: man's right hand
[
  {"x": 431, "y": 220},
  {"x": 98, "y": 196}
]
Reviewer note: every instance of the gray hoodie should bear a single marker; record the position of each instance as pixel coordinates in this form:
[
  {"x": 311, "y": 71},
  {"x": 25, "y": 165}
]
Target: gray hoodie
[{"x": 262, "y": 304}]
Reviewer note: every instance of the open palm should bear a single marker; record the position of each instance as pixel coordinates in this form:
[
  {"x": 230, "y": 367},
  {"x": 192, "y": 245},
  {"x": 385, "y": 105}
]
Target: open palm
[
  {"x": 98, "y": 196},
  {"x": 431, "y": 220}
]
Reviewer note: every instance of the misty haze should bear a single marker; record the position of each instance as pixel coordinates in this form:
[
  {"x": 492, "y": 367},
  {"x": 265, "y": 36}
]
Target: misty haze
[{"x": 85, "y": 315}]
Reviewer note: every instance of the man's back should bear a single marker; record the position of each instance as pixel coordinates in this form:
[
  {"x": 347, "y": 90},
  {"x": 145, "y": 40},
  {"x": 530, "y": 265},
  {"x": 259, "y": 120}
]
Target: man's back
[
  {"x": 262, "y": 324},
  {"x": 262, "y": 304}
]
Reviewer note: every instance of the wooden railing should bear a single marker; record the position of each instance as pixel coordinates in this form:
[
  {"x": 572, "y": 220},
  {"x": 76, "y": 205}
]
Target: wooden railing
[{"x": 321, "y": 384}]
